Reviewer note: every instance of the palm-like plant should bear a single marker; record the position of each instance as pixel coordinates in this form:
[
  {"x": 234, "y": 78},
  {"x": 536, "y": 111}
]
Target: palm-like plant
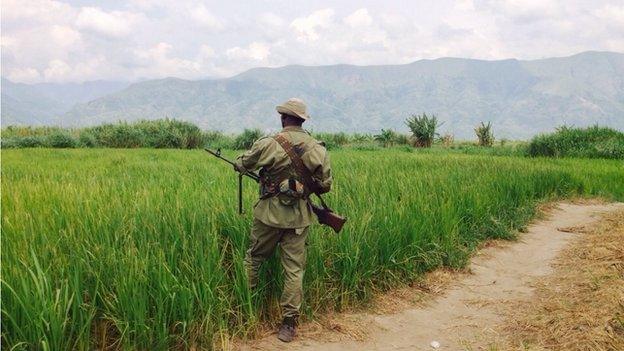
[
  {"x": 386, "y": 137},
  {"x": 484, "y": 134},
  {"x": 423, "y": 129}
]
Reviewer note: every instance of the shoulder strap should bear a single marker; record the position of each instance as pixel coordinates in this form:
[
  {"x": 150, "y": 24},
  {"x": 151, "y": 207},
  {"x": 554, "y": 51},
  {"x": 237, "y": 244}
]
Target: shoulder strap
[{"x": 300, "y": 168}]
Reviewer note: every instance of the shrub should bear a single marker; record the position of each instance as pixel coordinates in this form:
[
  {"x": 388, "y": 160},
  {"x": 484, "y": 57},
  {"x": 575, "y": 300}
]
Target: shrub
[
  {"x": 87, "y": 139},
  {"x": 484, "y": 134},
  {"x": 360, "y": 138},
  {"x": 61, "y": 140},
  {"x": 401, "y": 139},
  {"x": 386, "y": 137},
  {"x": 247, "y": 138},
  {"x": 121, "y": 135},
  {"x": 29, "y": 141},
  {"x": 217, "y": 140},
  {"x": 182, "y": 135},
  {"x": 8, "y": 143},
  {"x": 333, "y": 140},
  {"x": 591, "y": 142},
  {"x": 447, "y": 140},
  {"x": 423, "y": 129},
  {"x": 331, "y": 144}
]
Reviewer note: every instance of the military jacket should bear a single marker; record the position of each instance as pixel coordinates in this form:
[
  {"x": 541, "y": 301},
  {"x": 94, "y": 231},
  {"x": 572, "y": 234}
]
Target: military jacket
[{"x": 268, "y": 155}]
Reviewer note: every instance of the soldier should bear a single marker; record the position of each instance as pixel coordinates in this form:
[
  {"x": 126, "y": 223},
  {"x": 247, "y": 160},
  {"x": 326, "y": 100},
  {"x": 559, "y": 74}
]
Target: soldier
[{"x": 283, "y": 215}]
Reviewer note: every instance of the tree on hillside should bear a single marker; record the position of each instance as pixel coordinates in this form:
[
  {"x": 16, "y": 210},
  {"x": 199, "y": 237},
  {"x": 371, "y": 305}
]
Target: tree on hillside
[
  {"x": 423, "y": 129},
  {"x": 484, "y": 134}
]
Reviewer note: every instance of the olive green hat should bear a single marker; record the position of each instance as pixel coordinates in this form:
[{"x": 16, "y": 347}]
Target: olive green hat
[{"x": 293, "y": 107}]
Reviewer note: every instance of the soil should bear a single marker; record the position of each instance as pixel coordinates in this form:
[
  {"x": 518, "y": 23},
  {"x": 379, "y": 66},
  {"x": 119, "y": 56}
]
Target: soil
[{"x": 468, "y": 314}]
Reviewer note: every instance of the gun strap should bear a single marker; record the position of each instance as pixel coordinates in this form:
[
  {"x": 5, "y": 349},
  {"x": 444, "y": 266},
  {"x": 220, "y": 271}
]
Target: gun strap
[{"x": 297, "y": 162}]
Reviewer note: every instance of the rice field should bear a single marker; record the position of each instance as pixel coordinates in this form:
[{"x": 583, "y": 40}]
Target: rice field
[{"x": 143, "y": 249}]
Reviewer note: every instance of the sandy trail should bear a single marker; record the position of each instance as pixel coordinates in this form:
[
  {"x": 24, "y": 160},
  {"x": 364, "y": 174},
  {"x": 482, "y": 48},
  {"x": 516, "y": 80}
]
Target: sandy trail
[{"x": 466, "y": 315}]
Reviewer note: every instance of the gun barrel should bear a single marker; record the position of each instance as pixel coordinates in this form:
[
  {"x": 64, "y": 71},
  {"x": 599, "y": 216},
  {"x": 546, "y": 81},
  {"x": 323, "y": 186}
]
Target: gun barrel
[{"x": 249, "y": 174}]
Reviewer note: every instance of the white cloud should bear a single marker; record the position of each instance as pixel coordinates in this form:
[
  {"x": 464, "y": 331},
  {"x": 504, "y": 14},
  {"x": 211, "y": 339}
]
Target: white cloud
[
  {"x": 206, "y": 52},
  {"x": 611, "y": 14},
  {"x": 57, "y": 70},
  {"x": 255, "y": 51},
  {"x": 272, "y": 20},
  {"x": 306, "y": 27},
  {"x": 113, "y": 24},
  {"x": 202, "y": 16},
  {"x": 64, "y": 36},
  {"x": 156, "y": 62},
  {"x": 69, "y": 41},
  {"x": 527, "y": 11},
  {"x": 359, "y": 18},
  {"x": 35, "y": 11},
  {"x": 24, "y": 75}
]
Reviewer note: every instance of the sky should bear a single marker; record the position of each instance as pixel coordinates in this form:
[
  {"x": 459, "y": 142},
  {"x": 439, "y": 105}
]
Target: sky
[{"x": 83, "y": 40}]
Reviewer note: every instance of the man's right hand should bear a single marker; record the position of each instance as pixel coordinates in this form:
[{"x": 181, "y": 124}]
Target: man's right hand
[{"x": 238, "y": 167}]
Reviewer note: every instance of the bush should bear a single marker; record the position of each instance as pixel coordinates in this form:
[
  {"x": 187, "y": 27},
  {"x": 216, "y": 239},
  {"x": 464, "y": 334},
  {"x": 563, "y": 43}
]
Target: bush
[
  {"x": 423, "y": 129},
  {"x": 447, "y": 140},
  {"x": 591, "y": 142},
  {"x": 401, "y": 139},
  {"x": 217, "y": 140},
  {"x": 173, "y": 134},
  {"x": 61, "y": 140},
  {"x": 333, "y": 140},
  {"x": 8, "y": 143},
  {"x": 360, "y": 138},
  {"x": 386, "y": 137},
  {"x": 29, "y": 141},
  {"x": 247, "y": 138},
  {"x": 87, "y": 139}
]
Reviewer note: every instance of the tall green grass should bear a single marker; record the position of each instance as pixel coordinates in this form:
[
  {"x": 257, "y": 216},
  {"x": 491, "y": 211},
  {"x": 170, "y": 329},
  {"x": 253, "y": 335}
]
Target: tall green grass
[
  {"x": 143, "y": 249},
  {"x": 590, "y": 142}
]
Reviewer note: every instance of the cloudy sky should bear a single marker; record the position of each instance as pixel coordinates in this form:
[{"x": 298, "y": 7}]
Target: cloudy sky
[{"x": 79, "y": 40}]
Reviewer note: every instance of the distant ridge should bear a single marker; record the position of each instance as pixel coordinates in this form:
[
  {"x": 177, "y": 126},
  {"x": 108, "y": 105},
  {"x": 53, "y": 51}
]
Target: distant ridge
[{"x": 521, "y": 98}]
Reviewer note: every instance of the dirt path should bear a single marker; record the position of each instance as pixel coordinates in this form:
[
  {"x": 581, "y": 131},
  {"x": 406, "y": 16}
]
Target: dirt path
[{"x": 466, "y": 315}]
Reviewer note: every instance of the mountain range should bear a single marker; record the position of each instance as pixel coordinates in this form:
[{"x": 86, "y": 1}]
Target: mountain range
[{"x": 520, "y": 98}]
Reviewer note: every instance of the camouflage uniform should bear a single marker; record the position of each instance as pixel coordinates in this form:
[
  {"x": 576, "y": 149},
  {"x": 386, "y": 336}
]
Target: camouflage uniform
[{"x": 280, "y": 219}]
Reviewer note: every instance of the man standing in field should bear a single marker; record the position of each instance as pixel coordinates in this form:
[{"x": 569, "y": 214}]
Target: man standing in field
[{"x": 283, "y": 215}]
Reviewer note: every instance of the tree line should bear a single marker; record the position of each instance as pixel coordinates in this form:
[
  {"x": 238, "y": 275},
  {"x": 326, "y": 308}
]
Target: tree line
[{"x": 594, "y": 142}]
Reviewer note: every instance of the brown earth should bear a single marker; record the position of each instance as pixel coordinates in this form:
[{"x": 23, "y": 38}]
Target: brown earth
[{"x": 459, "y": 311}]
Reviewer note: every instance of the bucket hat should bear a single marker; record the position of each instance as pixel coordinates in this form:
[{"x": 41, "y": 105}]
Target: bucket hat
[{"x": 294, "y": 107}]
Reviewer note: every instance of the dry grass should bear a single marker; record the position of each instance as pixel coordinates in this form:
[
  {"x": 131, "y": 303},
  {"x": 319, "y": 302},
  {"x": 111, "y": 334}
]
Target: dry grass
[{"x": 581, "y": 305}]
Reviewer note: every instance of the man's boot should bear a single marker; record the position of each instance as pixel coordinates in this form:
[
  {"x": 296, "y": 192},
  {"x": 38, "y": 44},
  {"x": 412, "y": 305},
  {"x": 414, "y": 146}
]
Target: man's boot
[{"x": 287, "y": 330}]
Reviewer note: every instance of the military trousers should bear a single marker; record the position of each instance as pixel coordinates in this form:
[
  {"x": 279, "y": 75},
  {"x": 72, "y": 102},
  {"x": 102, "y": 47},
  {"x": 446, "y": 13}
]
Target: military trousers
[{"x": 291, "y": 242}]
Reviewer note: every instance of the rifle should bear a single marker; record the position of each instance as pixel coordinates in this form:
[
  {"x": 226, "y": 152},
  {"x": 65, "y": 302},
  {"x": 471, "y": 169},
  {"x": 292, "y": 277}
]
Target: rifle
[
  {"x": 251, "y": 175},
  {"x": 324, "y": 214}
]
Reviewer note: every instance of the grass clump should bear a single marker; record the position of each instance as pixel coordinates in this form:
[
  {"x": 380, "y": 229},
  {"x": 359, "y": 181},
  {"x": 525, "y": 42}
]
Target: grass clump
[{"x": 590, "y": 142}]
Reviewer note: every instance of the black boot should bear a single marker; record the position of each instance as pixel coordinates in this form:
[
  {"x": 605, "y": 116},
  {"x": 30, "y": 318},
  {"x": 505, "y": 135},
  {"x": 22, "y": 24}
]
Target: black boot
[{"x": 288, "y": 329}]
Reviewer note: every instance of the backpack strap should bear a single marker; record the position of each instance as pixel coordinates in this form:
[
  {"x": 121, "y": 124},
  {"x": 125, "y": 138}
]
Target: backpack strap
[{"x": 302, "y": 171}]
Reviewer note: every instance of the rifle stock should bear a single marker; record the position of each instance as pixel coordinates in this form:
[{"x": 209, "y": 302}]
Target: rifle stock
[{"x": 329, "y": 218}]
